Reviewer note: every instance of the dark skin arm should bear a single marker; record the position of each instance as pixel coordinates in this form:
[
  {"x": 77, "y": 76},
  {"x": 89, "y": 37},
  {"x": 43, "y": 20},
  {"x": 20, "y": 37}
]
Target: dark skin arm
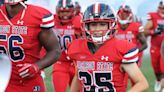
[
  {"x": 49, "y": 41},
  {"x": 142, "y": 39}
]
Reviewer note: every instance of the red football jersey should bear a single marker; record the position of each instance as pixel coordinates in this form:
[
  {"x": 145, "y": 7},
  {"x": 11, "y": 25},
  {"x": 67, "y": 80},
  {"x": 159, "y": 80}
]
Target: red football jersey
[
  {"x": 19, "y": 35},
  {"x": 130, "y": 33},
  {"x": 157, "y": 20},
  {"x": 100, "y": 72},
  {"x": 66, "y": 34}
]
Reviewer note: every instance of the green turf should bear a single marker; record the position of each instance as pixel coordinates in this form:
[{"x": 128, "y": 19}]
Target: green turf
[
  {"x": 148, "y": 72},
  {"x": 146, "y": 69},
  {"x": 48, "y": 80}
]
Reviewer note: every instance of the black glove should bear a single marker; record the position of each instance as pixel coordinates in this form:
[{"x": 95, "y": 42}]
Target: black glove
[{"x": 159, "y": 29}]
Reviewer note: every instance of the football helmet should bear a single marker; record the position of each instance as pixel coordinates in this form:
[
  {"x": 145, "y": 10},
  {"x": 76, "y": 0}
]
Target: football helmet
[
  {"x": 1, "y": 2},
  {"x": 65, "y": 10},
  {"x": 124, "y": 14},
  {"x": 12, "y": 2},
  {"x": 161, "y": 8},
  {"x": 99, "y": 12}
]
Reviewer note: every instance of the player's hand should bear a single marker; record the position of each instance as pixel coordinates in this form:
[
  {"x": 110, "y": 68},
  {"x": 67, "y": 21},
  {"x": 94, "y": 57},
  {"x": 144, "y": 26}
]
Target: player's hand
[
  {"x": 15, "y": 73},
  {"x": 159, "y": 29},
  {"x": 28, "y": 70}
]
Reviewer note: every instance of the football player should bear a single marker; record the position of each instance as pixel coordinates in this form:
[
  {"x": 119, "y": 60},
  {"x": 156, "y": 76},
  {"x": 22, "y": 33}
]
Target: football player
[
  {"x": 154, "y": 28},
  {"x": 101, "y": 59},
  {"x": 24, "y": 29},
  {"x": 130, "y": 31},
  {"x": 67, "y": 30}
]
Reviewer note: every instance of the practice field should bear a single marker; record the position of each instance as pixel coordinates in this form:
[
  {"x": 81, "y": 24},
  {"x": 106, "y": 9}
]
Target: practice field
[{"x": 146, "y": 69}]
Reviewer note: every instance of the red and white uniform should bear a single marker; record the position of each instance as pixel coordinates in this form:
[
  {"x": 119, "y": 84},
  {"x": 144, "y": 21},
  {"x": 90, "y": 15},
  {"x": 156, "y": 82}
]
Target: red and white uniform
[
  {"x": 156, "y": 41},
  {"x": 19, "y": 40},
  {"x": 131, "y": 34},
  {"x": 100, "y": 72},
  {"x": 64, "y": 69}
]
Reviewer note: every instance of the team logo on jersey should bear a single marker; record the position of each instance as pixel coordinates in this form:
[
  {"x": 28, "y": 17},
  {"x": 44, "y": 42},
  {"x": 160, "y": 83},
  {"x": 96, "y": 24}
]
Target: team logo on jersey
[
  {"x": 104, "y": 58},
  {"x": 20, "y": 22},
  {"x": 69, "y": 27}
]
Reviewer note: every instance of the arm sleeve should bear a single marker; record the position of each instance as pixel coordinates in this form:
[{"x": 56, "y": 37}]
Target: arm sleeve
[
  {"x": 141, "y": 29},
  {"x": 131, "y": 54},
  {"x": 148, "y": 16},
  {"x": 47, "y": 21}
]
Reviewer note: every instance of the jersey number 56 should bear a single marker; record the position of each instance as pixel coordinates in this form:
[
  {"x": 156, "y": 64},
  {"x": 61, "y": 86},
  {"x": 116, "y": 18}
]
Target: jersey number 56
[{"x": 16, "y": 53}]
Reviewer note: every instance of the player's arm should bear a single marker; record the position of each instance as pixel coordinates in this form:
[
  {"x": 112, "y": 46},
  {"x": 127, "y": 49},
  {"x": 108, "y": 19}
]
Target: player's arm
[
  {"x": 141, "y": 84},
  {"x": 49, "y": 41},
  {"x": 149, "y": 31},
  {"x": 148, "y": 27},
  {"x": 142, "y": 39},
  {"x": 75, "y": 85},
  {"x": 129, "y": 66}
]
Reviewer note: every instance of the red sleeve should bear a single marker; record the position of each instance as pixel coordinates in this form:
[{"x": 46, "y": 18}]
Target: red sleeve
[
  {"x": 149, "y": 16},
  {"x": 140, "y": 27},
  {"x": 128, "y": 50},
  {"x": 131, "y": 53},
  {"x": 45, "y": 19}
]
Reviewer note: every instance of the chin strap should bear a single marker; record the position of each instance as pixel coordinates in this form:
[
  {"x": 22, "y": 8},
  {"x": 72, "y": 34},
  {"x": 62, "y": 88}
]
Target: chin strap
[{"x": 23, "y": 4}]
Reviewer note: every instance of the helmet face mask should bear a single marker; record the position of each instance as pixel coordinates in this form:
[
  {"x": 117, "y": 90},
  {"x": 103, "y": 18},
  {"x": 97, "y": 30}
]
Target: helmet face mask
[
  {"x": 98, "y": 36},
  {"x": 65, "y": 10},
  {"x": 104, "y": 14},
  {"x": 65, "y": 15},
  {"x": 124, "y": 15}
]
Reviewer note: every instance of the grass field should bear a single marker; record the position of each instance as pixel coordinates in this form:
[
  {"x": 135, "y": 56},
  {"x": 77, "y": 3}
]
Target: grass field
[{"x": 146, "y": 69}]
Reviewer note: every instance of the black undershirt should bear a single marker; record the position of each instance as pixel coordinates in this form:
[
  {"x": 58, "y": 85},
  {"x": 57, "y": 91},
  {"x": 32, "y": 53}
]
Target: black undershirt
[{"x": 91, "y": 47}]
